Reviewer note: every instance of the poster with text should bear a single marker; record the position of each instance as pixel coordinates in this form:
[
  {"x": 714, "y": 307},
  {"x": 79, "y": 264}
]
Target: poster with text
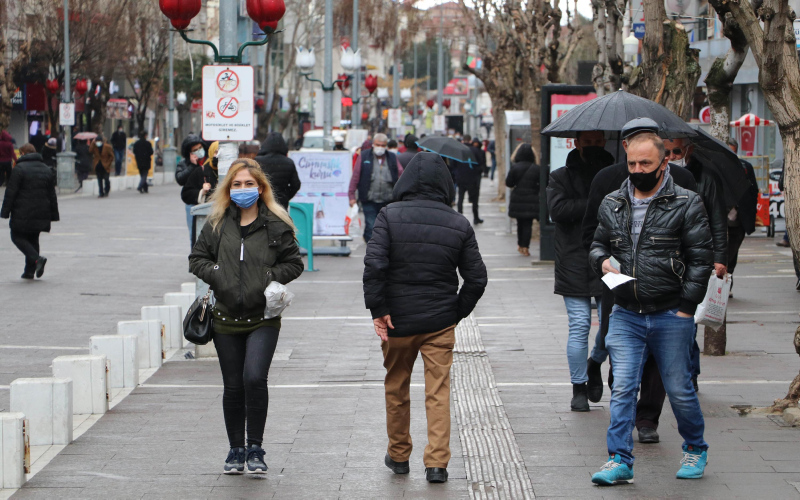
[
  {"x": 560, "y": 147},
  {"x": 325, "y": 179}
]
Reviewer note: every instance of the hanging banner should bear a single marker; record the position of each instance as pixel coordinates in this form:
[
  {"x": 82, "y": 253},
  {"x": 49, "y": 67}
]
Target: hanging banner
[
  {"x": 325, "y": 180},
  {"x": 228, "y": 103},
  {"x": 439, "y": 123},
  {"x": 395, "y": 118}
]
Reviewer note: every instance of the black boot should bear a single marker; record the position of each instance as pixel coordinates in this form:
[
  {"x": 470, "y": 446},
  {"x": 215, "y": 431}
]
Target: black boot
[
  {"x": 580, "y": 400},
  {"x": 595, "y": 384},
  {"x": 397, "y": 467}
]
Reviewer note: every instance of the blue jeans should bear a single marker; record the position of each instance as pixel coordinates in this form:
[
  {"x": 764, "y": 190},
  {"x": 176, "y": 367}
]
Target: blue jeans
[
  {"x": 695, "y": 356},
  {"x": 579, "y": 312},
  {"x": 371, "y": 210},
  {"x": 631, "y": 337},
  {"x": 119, "y": 160},
  {"x": 189, "y": 221}
]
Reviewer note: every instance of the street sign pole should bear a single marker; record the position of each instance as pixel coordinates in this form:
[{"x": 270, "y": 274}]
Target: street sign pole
[{"x": 65, "y": 162}]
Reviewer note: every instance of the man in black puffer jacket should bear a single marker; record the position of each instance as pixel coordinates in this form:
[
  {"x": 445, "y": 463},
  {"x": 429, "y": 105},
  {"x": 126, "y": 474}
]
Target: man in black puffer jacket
[
  {"x": 280, "y": 169},
  {"x": 658, "y": 233},
  {"x": 411, "y": 288},
  {"x": 31, "y": 202}
]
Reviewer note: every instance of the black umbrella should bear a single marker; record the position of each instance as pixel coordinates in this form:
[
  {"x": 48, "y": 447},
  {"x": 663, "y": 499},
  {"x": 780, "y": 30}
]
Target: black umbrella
[
  {"x": 610, "y": 112},
  {"x": 447, "y": 147},
  {"x": 719, "y": 158}
]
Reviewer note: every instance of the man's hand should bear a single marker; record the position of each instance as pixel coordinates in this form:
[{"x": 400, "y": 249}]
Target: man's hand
[
  {"x": 206, "y": 187},
  {"x": 608, "y": 268},
  {"x": 380, "y": 326},
  {"x": 352, "y": 202},
  {"x": 720, "y": 269},
  {"x": 681, "y": 314}
]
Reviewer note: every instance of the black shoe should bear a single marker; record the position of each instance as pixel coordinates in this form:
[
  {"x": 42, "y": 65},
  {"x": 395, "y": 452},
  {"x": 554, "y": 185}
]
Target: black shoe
[
  {"x": 255, "y": 460},
  {"x": 477, "y": 221},
  {"x": 436, "y": 474},
  {"x": 580, "y": 401},
  {"x": 234, "y": 464},
  {"x": 648, "y": 435},
  {"x": 595, "y": 384},
  {"x": 694, "y": 384},
  {"x": 397, "y": 467},
  {"x": 40, "y": 262},
  {"x": 27, "y": 276}
]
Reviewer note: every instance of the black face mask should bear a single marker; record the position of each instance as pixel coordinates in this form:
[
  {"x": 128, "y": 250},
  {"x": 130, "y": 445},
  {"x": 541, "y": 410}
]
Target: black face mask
[{"x": 645, "y": 182}]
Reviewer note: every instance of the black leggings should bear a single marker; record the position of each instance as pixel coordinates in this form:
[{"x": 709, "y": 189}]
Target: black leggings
[
  {"x": 28, "y": 244},
  {"x": 524, "y": 232},
  {"x": 474, "y": 192},
  {"x": 244, "y": 360}
]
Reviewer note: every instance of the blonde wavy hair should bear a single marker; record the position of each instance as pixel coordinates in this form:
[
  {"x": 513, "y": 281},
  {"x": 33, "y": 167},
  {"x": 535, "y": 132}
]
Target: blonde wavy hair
[{"x": 221, "y": 198}]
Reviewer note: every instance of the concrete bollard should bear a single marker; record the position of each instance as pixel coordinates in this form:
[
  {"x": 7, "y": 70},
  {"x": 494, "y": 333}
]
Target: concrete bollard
[
  {"x": 47, "y": 404},
  {"x": 148, "y": 341},
  {"x": 172, "y": 320},
  {"x": 184, "y": 300},
  {"x": 89, "y": 382},
  {"x": 12, "y": 450},
  {"x": 189, "y": 288},
  {"x": 121, "y": 353}
]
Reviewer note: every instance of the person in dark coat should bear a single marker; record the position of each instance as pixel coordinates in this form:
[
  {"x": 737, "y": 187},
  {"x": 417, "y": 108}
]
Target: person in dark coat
[
  {"x": 411, "y": 149},
  {"x": 143, "y": 152},
  {"x": 49, "y": 153},
  {"x": 418, "y": 249},
  {"x": 119, "y": 141},
  {"x": 523, "y": 178},
  {"x": 83, "y": 162},
  {"x": 193, "y": 154},
  {"x": 30, "y": 201},
  {"x": 38, "y": 140},
  {"x": 468, "y": 180},
  {"x": 280, "y": 169},
  {"x": 742, "y": 217},
  {"x": 7, "y": 156},
  {"x": 567, "y": 196}
]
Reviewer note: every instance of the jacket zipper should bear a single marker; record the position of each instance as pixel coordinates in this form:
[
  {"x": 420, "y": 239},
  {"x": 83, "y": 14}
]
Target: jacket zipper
[
  {"x": 638, "y": 242},
  {"x": 241, "y": 274}
]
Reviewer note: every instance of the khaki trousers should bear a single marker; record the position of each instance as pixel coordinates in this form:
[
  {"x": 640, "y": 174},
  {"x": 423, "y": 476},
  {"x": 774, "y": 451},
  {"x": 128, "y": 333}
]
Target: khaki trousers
[{"x": 399, "y": 354}]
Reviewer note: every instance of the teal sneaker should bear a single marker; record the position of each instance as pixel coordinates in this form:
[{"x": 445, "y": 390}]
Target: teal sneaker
[
  {"x": 613, "y": 472},
  {"x": 693, "y": 464}
]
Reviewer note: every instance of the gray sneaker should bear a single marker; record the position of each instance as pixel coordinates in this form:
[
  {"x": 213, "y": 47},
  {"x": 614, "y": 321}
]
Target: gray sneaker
[
  {"x": 234, "y": 464},
  {"x": 255, "y": 460}
]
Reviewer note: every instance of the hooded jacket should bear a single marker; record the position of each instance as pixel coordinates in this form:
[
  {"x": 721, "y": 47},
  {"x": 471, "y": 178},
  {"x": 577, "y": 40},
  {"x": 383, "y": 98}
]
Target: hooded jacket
[
  {"x": 419, "y": 247},
  {"x": 186, "y": 166},
  {"x": 30, "y": 198},
  {"x": 280, "y": 169},
  {"x": 567, "y": 197},
  {"x": 7, "y": 154},
  {"x": 524, "y": 179}
]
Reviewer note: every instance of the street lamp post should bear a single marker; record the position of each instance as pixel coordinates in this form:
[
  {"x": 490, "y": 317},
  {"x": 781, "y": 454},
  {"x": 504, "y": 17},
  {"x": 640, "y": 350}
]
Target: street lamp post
[
  {"x": 355, "y": 93},
  {"x": 439, "y": 66},
  {"x": 170, "y": 159},
  {"x": 65, "y": 162}
]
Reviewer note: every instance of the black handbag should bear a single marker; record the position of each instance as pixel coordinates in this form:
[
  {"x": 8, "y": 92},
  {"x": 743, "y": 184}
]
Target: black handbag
[{"x": 198, "y": 323}]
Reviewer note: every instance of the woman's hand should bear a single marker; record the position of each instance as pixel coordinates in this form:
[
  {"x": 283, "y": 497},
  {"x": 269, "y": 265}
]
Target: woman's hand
[{"x": 206, "y": 187}]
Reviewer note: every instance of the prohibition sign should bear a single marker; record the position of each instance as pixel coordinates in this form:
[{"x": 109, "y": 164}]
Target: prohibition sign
[
  {"x": 228, "y": 107},
  {"x": 228, "y": 81}
]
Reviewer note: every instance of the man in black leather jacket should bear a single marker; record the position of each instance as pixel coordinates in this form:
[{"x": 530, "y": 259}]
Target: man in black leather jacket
[{"x": 657, "y": 233}]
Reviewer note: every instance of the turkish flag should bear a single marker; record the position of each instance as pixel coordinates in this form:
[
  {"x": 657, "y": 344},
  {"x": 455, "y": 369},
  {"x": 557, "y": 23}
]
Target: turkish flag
[{"x": 748, "y": 140}]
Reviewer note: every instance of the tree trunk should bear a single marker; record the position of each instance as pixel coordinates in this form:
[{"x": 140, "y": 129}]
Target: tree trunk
[{"x": 500, "y": 153}]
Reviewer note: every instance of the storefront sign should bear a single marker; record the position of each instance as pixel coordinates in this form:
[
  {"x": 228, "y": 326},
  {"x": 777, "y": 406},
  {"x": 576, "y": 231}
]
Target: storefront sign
[{"x": 325, "y": 180}]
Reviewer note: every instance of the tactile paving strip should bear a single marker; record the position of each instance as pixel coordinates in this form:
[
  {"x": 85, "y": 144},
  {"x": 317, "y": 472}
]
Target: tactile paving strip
[{"x": 495, "y": 468}]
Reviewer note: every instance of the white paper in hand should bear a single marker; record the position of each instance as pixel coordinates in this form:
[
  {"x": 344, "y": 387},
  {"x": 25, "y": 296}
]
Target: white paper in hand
[{"x": 614, "y": 280}]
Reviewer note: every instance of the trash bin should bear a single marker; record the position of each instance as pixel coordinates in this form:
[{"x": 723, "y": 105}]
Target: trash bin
[{"x": 302, "y": 215}]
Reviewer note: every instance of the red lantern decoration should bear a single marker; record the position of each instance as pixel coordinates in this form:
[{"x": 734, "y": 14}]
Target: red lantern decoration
[
  {"x": 81, "y": 86},
  {"x": 343, "y": 84},
  {"x": 259, "y": 103},
  {"x": 52, "y": 86},
  {"x": 364, "y": 116},
  {"x": 371, "y": 83},
  {"x": 446, "y": 103},
  {"x": 266, "y": 13},
  {"x": 180, "y": 12},
  {"x": 419, "y": 112},
  {"x": 429, "y": 103}
]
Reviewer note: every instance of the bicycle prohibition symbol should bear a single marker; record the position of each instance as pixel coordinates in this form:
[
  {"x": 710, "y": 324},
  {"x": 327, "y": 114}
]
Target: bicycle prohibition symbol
[
  {"x": 228, "y": 107},
  {"x": 228, "y": 81}
]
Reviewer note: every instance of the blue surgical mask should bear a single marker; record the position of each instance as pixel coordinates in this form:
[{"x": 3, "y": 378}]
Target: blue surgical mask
[
  {"x": 244, "y": 197},
  {"x": 200, "y": 153}
]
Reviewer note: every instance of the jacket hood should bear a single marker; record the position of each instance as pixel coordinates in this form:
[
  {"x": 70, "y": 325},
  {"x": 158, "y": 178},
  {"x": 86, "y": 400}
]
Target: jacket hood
[
  {"x": 525, "y": 154},
  {"x": 5, "y": 136},
  {"x": 274, "y": 143},
  {"x": 425, "y": 178},
  {"x": 188, "y": 143},
  {"x": 597, "y": 161}
]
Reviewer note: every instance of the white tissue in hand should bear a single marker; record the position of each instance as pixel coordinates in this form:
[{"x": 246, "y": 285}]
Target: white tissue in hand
[{"x": 278, "y": 298}]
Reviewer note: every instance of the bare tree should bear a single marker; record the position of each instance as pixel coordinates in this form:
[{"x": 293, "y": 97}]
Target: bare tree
[
  {"x": 607, "y": 24},
  {"x": 8, "y": 84}
]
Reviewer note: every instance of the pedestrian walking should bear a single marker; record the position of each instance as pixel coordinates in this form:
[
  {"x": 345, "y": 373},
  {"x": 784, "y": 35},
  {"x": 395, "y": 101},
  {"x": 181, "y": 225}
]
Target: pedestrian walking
[
  {"x": 491, "y": 149},
  {"x": 391, "y": 147},
  {"x": 567, "y": 197},
  {"x": 480, "y": 156},
  {"x": 119, "y": 141},
  {"x": 201, "y": 184},
  {"x": 143, "y": 153},
  {"x": 49, "y": 153},
  {"x": 38, "y": 139},
  {"x": 418, "y": 246},
  {"x": 523, "y": 179},
  {"x": 468, "y": 179},
  {"x": 30, "y": 201},
  {"x": 103, "y": 160},
  {"x": 607, "y": 181},
  {"x": 412, "y": 149},
  {"x": 658, "y": 233},
  {"x": 193, "y": 154},
  {"x": 7, "y": 156},
  {"x": 742, "y": 217},
  {"x": 374, "y": 176},
  {"x": 279, "y": 168},
  {"x": 247, "y": 243},
  {"x": 83, "y": 162}
]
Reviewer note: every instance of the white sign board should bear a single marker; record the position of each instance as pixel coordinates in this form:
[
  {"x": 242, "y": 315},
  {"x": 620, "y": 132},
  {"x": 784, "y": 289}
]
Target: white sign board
[
  {"x": 797, "y": 33},
  {"x": 395, "y": 118},
  {"x": 325, "y": 180},
  {"x": 66, "y": 114},
  {"x": 228, "y": 103},
  {"x": 439, "y": 123}
]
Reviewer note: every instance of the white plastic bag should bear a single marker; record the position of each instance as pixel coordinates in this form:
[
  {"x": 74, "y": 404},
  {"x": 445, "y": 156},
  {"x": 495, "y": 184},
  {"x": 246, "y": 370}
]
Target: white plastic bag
[
  {"x": 350, "y": 218},
  {"x": 278, "y": 298},
  {"x": 711, "y": 312}
]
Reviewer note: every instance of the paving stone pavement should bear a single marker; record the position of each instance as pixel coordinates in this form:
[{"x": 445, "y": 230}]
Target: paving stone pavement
[{"x": 325, "y": 434}]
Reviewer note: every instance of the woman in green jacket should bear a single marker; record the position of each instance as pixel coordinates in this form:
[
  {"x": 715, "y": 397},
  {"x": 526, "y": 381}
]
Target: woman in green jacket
[{"x": 243, "y": 247}]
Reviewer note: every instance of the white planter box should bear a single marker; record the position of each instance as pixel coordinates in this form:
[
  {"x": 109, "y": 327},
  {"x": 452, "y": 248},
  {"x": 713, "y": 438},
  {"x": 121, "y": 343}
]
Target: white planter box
[
  {"x": 47, "y": 405},
  {"x": 170, "y": 317},
  {"x": 148, "y": 341},
  {"x": 89, "y": 382},
  {"x": 121, "y": 353},
  {"x": 12, "y": 450}
]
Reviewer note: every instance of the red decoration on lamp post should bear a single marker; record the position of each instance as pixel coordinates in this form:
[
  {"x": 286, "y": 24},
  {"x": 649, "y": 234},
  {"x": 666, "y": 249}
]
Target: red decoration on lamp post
[
  {"x": 181, "y": 12},
  {"x": 364, "y": 116},
  {"x": 343, "y": 84},
  {"x": 446, "y": 103},
  {"x": 419, "y": 112},
  {"x": 81, "y": 86},
  {"x": 266, "y": 13},
  {"x": 52, "y": 86},
  {"x": 371, "y": 83},
  {"x": 429, "y": 103}
]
